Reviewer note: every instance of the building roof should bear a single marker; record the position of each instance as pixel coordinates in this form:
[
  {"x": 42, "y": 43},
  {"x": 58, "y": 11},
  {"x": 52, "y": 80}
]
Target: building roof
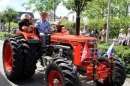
[
  {"x": 30, "y": 13},
  {"x": 65, "y": 17},
  {"x": 51, "y": 16},
  {"x": 71, "y": 12}
]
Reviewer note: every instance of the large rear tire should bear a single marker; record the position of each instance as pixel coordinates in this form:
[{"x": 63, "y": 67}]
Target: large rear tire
[
  {"x": 62, "y": 73},
  {"x": 119, "y": 73},
  {"x": 13, "y": 59},
  {"x": 30, "y": 57}
]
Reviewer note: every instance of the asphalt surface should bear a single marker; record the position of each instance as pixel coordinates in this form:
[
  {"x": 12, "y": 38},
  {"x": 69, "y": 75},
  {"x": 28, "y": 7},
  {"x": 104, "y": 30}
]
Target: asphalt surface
[{"x": 36, "y": 80}]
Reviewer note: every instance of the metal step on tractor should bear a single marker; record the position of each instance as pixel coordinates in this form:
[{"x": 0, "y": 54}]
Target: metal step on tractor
[{"x": 62, "y": 59}]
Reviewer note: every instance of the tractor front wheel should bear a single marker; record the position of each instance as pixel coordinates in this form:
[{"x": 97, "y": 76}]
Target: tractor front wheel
[
  {"x": 119, "y": 73},
  {"x": 61, "y": 72}
]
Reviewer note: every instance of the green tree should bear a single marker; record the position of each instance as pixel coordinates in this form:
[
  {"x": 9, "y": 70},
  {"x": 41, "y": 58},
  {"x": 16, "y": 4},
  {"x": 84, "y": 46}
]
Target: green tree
[
  {"x": 70, "y": 4},
  {"x": 42, "y": 5},
  {"x": 97, "y": 9},
  {"x": 9, "y": 15}
]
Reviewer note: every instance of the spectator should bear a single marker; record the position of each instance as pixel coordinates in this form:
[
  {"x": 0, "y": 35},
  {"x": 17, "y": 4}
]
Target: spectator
[
  {"x": 17, "y": 29},
  {"x": 81, "y": 31},
  {"x": 96, "y": 34},
  {"x": 4, "y": 29},
  {"x": 103, "y": 33},
  {"x": 122, "y": 38},
  {"x": 128, "y": 38},
  {"x": 85, "y": 29},
  {"x": 14, "y": 30},
  {"x": 89, "y": 33},
  {"x": 100, "y": 34}
]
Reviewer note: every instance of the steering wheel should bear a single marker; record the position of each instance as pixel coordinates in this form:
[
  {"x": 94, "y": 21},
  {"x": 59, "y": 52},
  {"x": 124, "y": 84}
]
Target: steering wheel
[{"x": 47, "y": 28}]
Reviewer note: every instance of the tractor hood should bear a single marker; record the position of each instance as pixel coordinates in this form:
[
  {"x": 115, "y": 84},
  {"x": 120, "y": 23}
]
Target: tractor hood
[{"x": 71, "y": 38}]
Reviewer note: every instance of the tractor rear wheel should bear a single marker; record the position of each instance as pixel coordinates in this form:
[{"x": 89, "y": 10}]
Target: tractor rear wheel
[
  {"x": 13, "y": 60},
  {"x": 61, "y": 72},
  {"x": 119, "y": 72},
  {"x": 30, "y": 57}
]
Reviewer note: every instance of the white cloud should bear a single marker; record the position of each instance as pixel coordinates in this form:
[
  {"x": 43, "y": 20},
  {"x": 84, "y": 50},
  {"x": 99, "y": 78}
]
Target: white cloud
[
  {"x": 1, "y": 10},
  {"x": 4, "y": 3},
  {"x": 62, "y": 10}
]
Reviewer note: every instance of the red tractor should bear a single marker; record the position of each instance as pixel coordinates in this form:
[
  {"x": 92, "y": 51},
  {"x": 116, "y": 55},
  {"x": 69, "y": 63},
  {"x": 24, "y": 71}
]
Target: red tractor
[{"x": 62, "y": 59}]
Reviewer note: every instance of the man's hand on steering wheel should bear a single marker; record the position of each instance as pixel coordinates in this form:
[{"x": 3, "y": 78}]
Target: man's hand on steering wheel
[{"x": 49, "y": 31}]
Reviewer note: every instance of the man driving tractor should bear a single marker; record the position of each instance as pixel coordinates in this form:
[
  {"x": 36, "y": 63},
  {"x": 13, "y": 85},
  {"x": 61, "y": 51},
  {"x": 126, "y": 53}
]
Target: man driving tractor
[{"x": 43, "y": 27}]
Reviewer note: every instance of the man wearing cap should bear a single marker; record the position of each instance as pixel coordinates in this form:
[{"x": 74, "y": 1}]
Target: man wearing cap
[{"x": 43, "y": 27}]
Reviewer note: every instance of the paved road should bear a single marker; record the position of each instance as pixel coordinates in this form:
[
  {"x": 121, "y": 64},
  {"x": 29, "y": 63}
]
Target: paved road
[{"x": 36, "y": 80}]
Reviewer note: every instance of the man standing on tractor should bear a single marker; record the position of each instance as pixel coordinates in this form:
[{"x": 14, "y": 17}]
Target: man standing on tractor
[{"x": 43, "y": 27}]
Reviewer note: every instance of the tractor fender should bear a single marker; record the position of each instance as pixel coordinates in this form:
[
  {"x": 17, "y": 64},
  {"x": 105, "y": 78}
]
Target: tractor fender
[{"x": 28, "y": 35}]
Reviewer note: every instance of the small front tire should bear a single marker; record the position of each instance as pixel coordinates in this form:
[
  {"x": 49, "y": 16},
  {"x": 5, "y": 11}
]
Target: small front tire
[{"x": 62, "y": 73}]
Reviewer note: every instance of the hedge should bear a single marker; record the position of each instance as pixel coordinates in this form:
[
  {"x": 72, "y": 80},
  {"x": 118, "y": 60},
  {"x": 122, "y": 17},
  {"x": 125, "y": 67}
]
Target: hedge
[
  {"x": 12, "y": 24},
  {"x": 69, "y": 24},
  {"x": 3, "y": 35},
  {"x": 115, "y": 25},
  {"x": 122, "y": 51}
]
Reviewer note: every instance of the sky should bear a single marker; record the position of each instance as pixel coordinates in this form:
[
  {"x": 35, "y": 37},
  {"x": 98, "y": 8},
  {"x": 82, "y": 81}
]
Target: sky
[{"x": 17, "y": 5}]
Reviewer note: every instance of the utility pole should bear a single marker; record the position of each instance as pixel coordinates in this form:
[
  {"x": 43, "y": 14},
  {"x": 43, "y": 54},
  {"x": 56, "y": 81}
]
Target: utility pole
[
  {"x": 108, "y": 22},
  {"x": 0, "y": 23}
]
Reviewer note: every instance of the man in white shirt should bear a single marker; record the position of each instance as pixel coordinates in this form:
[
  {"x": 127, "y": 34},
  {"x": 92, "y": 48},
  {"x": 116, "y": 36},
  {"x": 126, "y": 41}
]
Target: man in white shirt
[
  {"x": 128, "y": 37},
  {"x": 122, "y": 37}
]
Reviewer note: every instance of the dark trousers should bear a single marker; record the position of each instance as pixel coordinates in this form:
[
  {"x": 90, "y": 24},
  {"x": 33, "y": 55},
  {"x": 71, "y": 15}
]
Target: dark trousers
[{"x": 42, "y": 38}]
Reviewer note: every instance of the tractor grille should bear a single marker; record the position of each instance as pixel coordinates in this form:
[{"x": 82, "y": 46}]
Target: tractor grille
[{"x": 92, "y": 47}]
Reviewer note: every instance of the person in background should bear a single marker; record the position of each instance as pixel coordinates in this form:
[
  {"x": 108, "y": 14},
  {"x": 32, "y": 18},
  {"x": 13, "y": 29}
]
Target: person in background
[
  {"x": 96, "y": 34},
  {"x": 100, "y": 34},
  {"x": 86, "y": 30},
  {"x": 128, "y": 38},
  {"x": 81, "y": 31},
  {"x": 14, "y": 30},
  {"x": 103, "y": 33},
  {"x": 122, "y": 38},
  {"x": 89, "y": 33}
]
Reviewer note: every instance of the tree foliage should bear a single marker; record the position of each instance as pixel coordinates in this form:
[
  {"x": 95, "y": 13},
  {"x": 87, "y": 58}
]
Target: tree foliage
[
  {"x": 97, "y": 9},
  {"x": 70, "y": 4},
  {"x": 42, "y": 5},
  {"x": 9, "y": 15}
]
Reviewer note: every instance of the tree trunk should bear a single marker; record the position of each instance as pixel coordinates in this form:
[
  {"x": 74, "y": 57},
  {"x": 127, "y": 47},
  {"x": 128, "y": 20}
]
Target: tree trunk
[
  {"x": 9, "y": 28},
  {"x": 126, "y": 10},
  {"x": 54, "y": 15}
]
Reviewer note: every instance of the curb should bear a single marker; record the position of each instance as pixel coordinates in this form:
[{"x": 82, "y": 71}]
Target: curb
[{"x": 128, "y": 79}]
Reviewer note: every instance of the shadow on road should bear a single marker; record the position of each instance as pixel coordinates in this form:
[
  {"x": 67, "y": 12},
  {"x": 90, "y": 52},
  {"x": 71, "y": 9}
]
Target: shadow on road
[{"x": 37, "y": 80}]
